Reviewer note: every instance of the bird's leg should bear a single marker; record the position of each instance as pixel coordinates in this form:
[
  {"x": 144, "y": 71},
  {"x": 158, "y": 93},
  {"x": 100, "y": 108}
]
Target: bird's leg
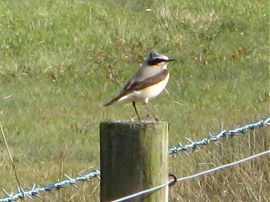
[
  {"x": 134, "y": 105},
  {"x": 151, "y": 111}
]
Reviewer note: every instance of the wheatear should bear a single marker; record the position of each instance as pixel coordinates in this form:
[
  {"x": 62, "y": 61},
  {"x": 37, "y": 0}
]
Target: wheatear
[{"x": 150, "y": 80}]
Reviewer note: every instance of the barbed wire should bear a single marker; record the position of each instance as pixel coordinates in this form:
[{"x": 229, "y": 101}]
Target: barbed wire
[
  {"x": 207, "y": 172},
  {"x": 213, "y": 138},
  {"x": 55, "y": 186},
  {"x": 34, "y": 192}
]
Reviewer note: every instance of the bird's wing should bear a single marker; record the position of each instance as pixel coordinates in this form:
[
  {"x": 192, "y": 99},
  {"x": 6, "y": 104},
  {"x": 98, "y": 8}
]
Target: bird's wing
[{"x": 139, "y": 85}]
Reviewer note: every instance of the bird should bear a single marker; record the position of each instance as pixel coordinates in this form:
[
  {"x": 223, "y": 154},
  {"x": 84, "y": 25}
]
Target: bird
[{"x": 149, "y": 81}]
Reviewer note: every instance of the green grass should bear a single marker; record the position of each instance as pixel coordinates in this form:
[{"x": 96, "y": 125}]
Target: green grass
[{"x": 61, "y": 61}]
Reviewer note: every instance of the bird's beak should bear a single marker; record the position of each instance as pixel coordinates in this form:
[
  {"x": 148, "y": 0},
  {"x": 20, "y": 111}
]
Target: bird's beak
[{"x": 170, "y": 60}]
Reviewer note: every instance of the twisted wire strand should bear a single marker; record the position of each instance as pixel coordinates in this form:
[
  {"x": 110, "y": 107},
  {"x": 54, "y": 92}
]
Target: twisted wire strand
[
  {"x": 55, "y": 186},
  {"x": 213, "y": 138},
  {"x": 34, "y": 192}
]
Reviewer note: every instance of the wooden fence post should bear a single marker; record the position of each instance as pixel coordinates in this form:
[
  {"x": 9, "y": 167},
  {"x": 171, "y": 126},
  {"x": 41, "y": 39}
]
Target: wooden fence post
[{"x": 133, "y": 157}]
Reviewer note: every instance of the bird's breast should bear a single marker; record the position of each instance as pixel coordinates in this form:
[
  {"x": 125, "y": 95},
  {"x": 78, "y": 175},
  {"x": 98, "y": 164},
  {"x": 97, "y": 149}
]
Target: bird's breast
[{"x": 154, "y": 90}]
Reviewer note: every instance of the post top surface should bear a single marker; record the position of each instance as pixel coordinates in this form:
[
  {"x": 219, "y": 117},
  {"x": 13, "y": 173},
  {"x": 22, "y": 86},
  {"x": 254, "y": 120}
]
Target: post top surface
[{"x": 144, "y": 122}]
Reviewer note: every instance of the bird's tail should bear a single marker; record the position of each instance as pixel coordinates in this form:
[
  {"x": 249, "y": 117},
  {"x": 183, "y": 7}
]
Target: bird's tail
[{"x": 113, "y": 101}]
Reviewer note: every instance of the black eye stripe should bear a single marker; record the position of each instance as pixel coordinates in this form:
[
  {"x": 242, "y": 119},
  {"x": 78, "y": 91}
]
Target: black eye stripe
[{"x": 155, "y": 61}]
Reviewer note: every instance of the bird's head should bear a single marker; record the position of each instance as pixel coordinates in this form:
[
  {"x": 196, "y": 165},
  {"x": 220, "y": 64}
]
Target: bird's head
[{"x": 157, "y": 60}]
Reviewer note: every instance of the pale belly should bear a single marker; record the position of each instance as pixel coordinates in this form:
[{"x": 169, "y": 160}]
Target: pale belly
[{"x": 147, "y": 93}]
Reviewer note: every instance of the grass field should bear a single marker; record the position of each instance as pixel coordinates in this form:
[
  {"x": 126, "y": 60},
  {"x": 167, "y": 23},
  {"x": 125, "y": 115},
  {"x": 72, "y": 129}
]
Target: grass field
[{"x": 60, "y": 61}]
